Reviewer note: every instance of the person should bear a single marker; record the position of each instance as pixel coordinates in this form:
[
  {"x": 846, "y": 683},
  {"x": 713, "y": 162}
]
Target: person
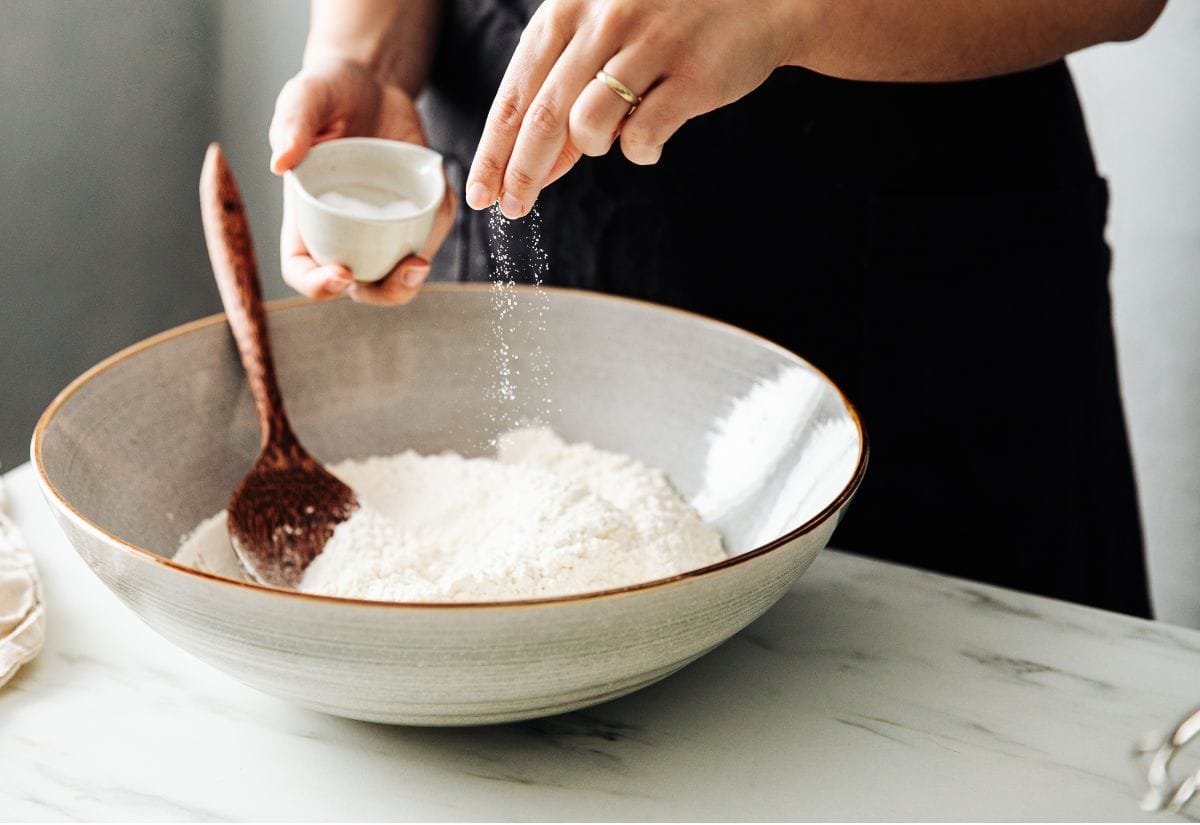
[{"x": 902, "y": 192}]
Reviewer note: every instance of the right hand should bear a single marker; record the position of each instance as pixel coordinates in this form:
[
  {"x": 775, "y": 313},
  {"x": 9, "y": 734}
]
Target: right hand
[{"x": 333, "y": 99}]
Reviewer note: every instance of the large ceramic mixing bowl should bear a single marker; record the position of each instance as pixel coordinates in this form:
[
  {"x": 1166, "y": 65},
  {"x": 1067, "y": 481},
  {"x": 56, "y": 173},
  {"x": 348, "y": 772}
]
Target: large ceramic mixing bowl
[{"x": 145, "y": 445}]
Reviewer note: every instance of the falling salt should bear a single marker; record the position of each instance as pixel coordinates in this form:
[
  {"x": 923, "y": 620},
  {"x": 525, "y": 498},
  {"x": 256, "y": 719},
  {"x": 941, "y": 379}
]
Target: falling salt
[{"x": 519, "y": 391}]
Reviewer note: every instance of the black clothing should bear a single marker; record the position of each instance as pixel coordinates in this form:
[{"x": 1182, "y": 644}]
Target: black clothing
[{"x": 937, "y": 249}]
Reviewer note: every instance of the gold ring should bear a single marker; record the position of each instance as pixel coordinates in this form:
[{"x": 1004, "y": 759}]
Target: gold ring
[{"x": 618, "y": 87}]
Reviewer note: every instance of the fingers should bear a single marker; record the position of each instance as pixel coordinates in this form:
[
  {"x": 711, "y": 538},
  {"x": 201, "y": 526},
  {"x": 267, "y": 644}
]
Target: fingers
[
  {"x": 399, "y": 287},
  {"x": 309, "y": 278},
  {"x": 566, "y": 159},
  {"x": 541, "y": 44},
  {"x": 301, "y": 272},
  {"x": 300, "y": 111},
  {"x": 337, "y": 99},
  {"x": 684, "y": 58},
  {"x": 599, "y": 113},
  {"x": 656, "y": 119},
  {"x": 543, "y": 132},
  {"x": 321, "y": 283},
  {"x": 550, "y": 108}
]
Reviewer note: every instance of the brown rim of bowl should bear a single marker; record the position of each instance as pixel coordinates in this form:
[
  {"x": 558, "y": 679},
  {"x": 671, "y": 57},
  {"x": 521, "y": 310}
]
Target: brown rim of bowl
[{"x": 49, "y": 490}]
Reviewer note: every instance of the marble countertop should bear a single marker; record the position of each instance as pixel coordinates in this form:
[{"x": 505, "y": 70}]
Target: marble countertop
[{"x": 870, "y": 691}]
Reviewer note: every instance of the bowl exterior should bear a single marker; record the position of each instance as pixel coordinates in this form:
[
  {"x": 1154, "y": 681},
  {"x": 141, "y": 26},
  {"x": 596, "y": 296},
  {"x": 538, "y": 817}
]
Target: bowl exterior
[{"x": 439, "y": 665}]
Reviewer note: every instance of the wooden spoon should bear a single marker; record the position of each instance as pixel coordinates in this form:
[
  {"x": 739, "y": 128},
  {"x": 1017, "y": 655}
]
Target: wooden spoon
[{"x": 287, "y": 506}]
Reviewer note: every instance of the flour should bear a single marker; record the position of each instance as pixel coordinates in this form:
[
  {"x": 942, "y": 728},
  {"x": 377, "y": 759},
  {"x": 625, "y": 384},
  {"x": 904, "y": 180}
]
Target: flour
[{"x": 543, "y": 518}]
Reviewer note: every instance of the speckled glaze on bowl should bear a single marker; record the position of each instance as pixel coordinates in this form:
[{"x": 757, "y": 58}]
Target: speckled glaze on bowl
[{"x": 143, "y": 446}]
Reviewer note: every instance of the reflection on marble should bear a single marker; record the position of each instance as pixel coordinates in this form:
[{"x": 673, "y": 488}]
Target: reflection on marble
[{"x": 869, "y": 691}]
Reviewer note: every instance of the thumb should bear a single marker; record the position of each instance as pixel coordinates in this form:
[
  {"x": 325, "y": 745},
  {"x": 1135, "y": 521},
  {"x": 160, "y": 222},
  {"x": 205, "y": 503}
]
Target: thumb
[{"x": 300, "y": 109}]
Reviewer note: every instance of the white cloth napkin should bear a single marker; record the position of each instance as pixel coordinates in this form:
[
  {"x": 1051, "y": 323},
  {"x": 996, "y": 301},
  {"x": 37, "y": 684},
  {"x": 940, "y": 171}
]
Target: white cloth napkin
[{"x": 22, "y": 611}]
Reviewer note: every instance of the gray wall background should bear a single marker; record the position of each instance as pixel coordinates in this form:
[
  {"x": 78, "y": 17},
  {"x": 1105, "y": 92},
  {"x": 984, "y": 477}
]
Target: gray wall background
[
  {"x": 115, "y": 102},
  {"x": 103, "y": 127}
]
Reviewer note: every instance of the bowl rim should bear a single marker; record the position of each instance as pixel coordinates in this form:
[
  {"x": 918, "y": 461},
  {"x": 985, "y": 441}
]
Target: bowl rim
[
  {"x": 142, "y": 554},
  {"x": 294, "y": 178}
]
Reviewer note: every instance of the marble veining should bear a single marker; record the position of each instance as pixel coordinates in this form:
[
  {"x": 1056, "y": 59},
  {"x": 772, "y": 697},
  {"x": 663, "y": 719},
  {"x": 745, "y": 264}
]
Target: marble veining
[
  {"x": 1032, "y": 672},
  {"x": 870, "y": 691},
  {"x": 983, "y": 600}
]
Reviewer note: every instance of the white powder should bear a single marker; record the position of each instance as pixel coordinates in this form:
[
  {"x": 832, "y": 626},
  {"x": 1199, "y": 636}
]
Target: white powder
[
  {"x": 544, "y": 518},
  {"x": 390, "y": 208},
  {"x": 518, "y": 371}
]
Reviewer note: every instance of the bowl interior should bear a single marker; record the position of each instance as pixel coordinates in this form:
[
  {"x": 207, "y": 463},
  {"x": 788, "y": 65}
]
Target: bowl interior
[
  {"x": 373, "y": 170},
  {"x": 153, "y": 440}
]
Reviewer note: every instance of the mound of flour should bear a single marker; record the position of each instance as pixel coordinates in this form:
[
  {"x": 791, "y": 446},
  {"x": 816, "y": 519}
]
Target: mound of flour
[{"x": 543, "y": 518}]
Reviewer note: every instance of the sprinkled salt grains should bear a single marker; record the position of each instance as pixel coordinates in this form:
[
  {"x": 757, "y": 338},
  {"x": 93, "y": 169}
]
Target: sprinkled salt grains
[{"x": 518, "y": 321}]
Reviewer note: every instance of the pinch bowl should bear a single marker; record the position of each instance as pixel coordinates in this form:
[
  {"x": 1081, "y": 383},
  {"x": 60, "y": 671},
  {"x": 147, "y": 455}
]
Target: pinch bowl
[
  {"x": 369, "y": 246},
  {"x": 142, "y": 447}
]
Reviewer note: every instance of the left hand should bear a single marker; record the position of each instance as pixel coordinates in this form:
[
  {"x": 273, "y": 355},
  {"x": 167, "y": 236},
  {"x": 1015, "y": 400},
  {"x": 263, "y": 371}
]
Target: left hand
[
  {"x": 683, "y": 57},
  {"x": 331, "y": 98}
]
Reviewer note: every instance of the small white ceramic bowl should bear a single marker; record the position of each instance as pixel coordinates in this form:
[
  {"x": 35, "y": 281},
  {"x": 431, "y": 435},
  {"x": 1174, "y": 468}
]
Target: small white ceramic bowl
[
  {"x": 372, "y": 170},
  {"x": 147, "y": 444}
]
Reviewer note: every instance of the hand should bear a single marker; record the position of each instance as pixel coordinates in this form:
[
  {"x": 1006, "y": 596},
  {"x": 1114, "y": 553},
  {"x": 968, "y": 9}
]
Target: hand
[
  {"x": 684, "y": 57},
  {"x": 336, "y": 99}
]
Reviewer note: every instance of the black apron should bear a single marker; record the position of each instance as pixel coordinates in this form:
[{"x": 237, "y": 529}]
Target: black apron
[{"x": 937, "y": 249}]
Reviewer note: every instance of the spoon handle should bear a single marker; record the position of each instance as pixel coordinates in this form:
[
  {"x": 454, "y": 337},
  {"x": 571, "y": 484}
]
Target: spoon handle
[{"x": 231, "y": 252}]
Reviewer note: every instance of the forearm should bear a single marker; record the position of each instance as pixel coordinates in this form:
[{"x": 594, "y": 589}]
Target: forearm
[
  {"x": 939, "y": 40},
  {"x": 395, "y": 39}
]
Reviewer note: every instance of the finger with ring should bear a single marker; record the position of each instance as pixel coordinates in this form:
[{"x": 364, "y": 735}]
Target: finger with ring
[{"x": 604, "y": 104}]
